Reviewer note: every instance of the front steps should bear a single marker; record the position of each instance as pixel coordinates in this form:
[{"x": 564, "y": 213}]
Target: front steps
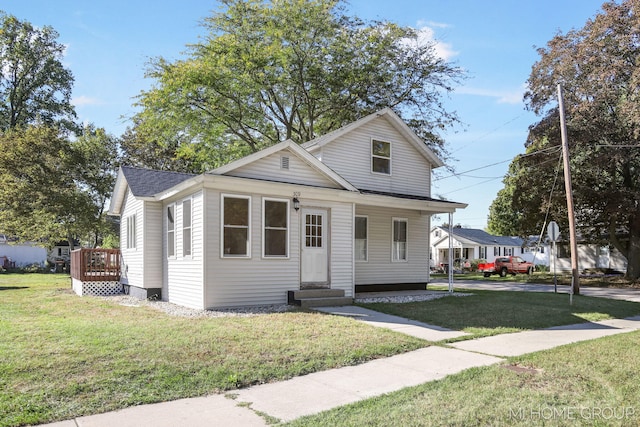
[{"x": 318, "y": 298}]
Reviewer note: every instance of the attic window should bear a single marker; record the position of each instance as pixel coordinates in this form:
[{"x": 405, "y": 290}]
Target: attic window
[
  {"x": 284, "y": 162},
  {"x": 380, "y": 157}
]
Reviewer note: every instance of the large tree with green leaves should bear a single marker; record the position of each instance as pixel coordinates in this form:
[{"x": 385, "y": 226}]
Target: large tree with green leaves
[
  {"x": 35, "y": 87},
  {"x": 38, "y": 196},
  {"x": 599, "y": 68},
  {"x": 53, "y": 189},
  {"x": 273, "y": 70}
]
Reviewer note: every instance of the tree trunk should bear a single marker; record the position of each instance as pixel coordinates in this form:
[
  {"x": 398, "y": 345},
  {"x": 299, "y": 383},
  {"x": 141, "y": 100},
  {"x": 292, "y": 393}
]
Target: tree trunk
[
  {"x": 71, "y": 240},
  {"x": 633, "y": 252}
]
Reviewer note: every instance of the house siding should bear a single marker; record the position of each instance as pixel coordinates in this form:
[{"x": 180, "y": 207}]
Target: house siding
[
  {"x": 132, "y": 258},
  {"x": 269, "y": 168},
  {"x": 350, "y": 157},
  {"x": 257, "y": 280},
  {"x": 588, "y": 258},
  {"x": 184, "y": 283},
  {"x": 152, "y": 249},
  {"x": 379, "y": 269}
]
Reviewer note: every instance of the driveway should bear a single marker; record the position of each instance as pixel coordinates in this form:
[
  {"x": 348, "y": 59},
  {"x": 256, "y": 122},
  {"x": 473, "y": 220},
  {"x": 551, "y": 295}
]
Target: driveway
[{"x": 628, "y": 294}]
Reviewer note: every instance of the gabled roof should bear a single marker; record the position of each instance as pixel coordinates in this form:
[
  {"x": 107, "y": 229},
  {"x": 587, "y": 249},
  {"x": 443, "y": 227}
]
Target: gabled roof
[
  {"x": 481, "y": 237},
  {"x": 143, "y": 183},
  {"x": 394, "y": 120},
  {"x": 297, "y": 150}
]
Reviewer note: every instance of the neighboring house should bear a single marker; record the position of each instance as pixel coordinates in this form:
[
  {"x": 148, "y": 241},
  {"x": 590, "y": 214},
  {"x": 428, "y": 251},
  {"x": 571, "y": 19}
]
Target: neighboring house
[
  {"x": 21, "y": 255},
  {"x": 473, "y": 244},
  {"x": 590, "y": 256},
  {"x": 61, "y": 252},
  {"x": 351, "y": 208}
]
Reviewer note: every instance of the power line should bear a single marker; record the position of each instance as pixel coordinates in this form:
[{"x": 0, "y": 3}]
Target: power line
[
  {"x": 472, "y": 185},
  {"x": 499, "y": 177},
  {"x": 488, "y": 133},
  {"x": 458, "y": 174}
]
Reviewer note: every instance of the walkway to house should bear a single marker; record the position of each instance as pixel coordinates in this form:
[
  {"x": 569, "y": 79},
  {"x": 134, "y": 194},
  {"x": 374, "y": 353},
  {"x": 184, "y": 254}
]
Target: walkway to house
[{"x": 309, "y": 394}]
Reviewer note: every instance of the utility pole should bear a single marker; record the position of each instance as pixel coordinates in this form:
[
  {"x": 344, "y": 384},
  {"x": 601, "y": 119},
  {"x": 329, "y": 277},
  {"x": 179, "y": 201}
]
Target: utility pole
[{"x": 575, "y": 276}]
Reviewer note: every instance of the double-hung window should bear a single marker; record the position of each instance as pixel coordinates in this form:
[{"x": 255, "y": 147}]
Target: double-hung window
[
  {"x": 131, "y": 232},
  {"x": 380, "y": 157},
  {"x": 236, "y": 230},
  {"x": 361, "y": 238},
  {"x": 275, "y": 233},
  {"x": 186, "y": 227},
  {"x": 399, "y": 246},
  {"x": 171, "y": 231}
]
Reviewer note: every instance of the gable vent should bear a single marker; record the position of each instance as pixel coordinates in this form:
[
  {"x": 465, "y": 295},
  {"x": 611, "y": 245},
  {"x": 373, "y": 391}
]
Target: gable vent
[{"x": 284, "y": 162}]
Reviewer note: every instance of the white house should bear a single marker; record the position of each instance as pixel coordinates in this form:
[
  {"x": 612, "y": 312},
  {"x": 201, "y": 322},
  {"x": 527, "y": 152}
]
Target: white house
[
  {"x": 21, "y": 255},
  {"x": 591, "y": 256},
  {"x": 351, "y": 208},
  {"x": 473, "y": 244}
]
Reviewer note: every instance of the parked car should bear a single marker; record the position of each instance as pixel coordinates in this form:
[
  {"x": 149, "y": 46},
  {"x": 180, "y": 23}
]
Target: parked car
[{"x": 506, "y": 265}]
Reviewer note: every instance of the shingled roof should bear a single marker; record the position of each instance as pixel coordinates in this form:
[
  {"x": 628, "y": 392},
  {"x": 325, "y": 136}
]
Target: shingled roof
[
  {"x": 148, "y": 182},
  {"x": 483, "y": 238}
]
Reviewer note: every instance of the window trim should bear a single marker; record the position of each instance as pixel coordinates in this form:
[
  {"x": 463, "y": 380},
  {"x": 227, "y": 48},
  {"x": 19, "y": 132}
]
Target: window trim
[
  {"x": 366, "y": 259},
  {"x": 132, "y": 232},
  {"x": 224, "y": 196},
  {"x": 189, "y": 228},
  {"x": 406, "y": 252},
  {"x": 264, "y": 228},
  {"x": 173, "y": 231},
  {"x": 381, "y": 157}
]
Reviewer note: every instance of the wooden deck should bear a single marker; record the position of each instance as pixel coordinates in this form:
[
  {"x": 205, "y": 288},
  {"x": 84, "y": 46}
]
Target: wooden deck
[{"x": 95, "y": 265}]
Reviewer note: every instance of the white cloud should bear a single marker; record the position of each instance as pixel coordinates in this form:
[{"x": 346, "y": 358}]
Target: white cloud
[
  {"x": 503, "y": 96},
  {"x": 442, "y": 49},
  {"x": 85, "y": 100}
]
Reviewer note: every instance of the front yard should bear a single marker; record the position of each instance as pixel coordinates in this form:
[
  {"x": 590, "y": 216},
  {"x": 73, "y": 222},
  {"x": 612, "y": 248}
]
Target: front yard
[
  {"x": 63, "y": 356},
  {"x": 592, "y": 383},
  {"x": 488, "y": 313}
]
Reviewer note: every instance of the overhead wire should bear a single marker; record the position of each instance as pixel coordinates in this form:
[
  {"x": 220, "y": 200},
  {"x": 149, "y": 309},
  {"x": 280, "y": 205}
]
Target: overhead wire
[
  {"x": 549, "y": 149},
  {"x": 458, "y": 174}
]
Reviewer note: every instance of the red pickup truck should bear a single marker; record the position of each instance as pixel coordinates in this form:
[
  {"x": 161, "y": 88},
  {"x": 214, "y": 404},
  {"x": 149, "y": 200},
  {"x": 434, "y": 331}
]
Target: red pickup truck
[{"x": 506, "y": 265}]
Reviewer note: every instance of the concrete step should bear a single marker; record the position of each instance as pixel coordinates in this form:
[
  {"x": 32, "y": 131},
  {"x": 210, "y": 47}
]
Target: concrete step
[
  {"x": 325, "y": 302},
  {"x": 317, "y": 293},
  {"x": 318, "y": 298}
]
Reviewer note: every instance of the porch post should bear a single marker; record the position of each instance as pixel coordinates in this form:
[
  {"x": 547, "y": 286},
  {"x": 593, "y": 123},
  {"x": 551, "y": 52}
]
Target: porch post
[{"x": 450, "y": 252}]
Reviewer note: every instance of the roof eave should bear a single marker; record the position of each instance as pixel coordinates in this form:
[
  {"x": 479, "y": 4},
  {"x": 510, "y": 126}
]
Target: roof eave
[{"x": 118, "y": 194}]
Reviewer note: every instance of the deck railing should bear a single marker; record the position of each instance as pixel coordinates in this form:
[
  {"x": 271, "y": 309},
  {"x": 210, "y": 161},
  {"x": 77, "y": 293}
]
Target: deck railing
[{"x": 92, "y": 265}]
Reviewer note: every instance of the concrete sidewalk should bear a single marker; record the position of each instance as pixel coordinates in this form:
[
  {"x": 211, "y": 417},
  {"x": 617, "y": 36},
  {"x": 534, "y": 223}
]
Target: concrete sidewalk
[{"x": 309, "y": 394}]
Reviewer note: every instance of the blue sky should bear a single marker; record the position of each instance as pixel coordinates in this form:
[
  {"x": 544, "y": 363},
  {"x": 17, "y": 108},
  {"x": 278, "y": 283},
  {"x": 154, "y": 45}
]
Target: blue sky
[{"x": 109, "y": 43}]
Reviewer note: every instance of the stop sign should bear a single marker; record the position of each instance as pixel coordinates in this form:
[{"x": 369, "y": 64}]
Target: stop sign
[{"x": 553, "y": 231}]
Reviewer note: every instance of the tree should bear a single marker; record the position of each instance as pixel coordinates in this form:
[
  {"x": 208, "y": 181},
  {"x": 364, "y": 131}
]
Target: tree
[
  {"x": 503, "y": 218},
  {"x": 269, "y": 71},
  {"x": 597, "y": 66},
  {"x": 34, "y": 85},
  {"x": 96, "y": 154},
  {"x": 39, "y": 198},
  {"x": 53, "y": 189}
]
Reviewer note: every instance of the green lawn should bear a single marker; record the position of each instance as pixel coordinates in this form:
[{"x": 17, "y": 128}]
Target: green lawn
[
  {"x": 495, "y": 312},
  {"x": 593, "y": 383},
  {"x": 63, "y": 356}
]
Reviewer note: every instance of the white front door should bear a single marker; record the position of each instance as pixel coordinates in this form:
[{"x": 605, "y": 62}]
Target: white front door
[{"x": 314, "y": 258}]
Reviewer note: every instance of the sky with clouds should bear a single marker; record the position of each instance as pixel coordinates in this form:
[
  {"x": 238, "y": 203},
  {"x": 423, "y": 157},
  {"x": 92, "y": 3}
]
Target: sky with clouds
[{"x": 109, "y": 43}]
